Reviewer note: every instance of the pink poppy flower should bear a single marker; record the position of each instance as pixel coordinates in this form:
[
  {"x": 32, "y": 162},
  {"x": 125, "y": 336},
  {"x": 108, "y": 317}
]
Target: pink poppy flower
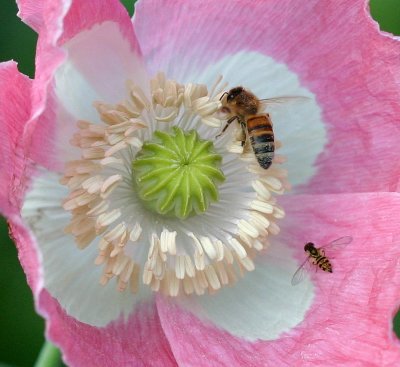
[{"x": 90, "y": 195}]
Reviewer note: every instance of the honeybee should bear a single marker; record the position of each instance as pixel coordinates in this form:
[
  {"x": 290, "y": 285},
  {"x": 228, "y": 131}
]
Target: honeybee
[
  {"x": 243, "y": 106},
  {"x": 316, "y": 257}
]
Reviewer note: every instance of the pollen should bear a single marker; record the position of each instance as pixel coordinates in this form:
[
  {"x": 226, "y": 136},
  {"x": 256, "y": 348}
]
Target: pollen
[{"x": 167, "y": 205}]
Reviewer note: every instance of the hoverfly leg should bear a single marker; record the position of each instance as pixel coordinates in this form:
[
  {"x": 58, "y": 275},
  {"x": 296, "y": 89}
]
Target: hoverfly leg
[{"x": 226, "y": 126}]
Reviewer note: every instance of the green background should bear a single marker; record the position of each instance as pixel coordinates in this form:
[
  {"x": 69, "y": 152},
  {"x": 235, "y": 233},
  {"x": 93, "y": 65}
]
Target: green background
[{"x": 21, "y": 329}]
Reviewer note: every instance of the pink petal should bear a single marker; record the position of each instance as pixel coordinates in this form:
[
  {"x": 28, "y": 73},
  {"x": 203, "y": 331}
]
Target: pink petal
[
  {"x": 66, "y": 24},
  {"x": 138, "y": 342},
  {"x": 15, "y": 90},
  {"x": 27, "y": 253},
  {"x": 349, "y": 323},
  {"x": 31, "y": 12},
  {"x": 338, "y": 53}
]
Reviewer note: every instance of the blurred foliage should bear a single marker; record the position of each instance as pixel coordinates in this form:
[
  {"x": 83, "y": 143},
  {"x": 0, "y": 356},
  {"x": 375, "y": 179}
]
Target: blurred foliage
[
  {"x": 17, "y": 40},
  {"x": 21, "y": 329},
  {"x": 387, "y": 14}
]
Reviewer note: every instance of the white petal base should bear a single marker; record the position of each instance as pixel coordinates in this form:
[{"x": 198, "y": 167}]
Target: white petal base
[
  {"x": 295, "y": 124},
  {"x": 98, "y": 63},
  {"x": 69, "y": 273},
  {"x": 263, "y": 304}
]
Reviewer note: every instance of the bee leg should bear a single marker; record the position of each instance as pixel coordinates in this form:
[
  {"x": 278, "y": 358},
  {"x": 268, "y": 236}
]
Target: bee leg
[
  {"x": 226, "y": 126},
  {"x": 244, "y": 135},
  {"x": 223, "y": 95}
]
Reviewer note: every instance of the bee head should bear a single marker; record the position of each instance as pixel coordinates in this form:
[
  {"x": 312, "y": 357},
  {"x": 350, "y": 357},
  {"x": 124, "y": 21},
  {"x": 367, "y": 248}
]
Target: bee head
[
  {"x": 309, "y": 246},
  {"x": 233, "y": 93}
]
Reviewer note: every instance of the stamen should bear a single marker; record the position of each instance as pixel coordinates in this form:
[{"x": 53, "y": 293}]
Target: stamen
[{"x": 167, "y": 205}]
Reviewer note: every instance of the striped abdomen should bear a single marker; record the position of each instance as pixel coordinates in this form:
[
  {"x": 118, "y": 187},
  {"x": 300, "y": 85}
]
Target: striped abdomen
[
  {"x": 261, "y": 136},
  {"x": 322, "y": 262}
]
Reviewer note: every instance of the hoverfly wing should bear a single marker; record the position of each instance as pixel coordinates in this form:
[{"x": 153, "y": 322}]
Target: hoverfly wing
[
  {"x": 275, "y": 101},
  {"x": 339, "y": 243},
  {"x": 300, "y": 273}
]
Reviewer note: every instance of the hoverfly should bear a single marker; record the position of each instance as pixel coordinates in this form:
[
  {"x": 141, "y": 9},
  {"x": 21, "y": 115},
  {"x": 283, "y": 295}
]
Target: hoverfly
[{"x": 316, "y": 258}]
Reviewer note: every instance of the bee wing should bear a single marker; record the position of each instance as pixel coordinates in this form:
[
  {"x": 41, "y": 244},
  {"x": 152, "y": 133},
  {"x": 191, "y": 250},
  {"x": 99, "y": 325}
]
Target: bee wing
[
  {"x": 264, "y": 103},
  {"x": 300, "y": 273},
  {"x": 339, "y": 243}
]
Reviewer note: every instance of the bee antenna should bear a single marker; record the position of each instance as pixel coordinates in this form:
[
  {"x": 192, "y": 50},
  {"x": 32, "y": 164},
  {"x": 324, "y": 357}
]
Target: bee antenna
[{"x": 223, "y": 95}]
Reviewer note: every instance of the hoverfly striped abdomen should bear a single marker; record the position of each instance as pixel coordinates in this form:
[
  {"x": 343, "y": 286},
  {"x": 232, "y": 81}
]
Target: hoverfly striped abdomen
[
  {"x": 318, "y": 257},
  {"x": 261, "y": 136}
]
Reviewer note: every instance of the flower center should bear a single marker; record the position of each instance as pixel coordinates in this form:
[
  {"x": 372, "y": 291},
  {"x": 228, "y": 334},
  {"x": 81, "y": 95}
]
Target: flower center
[
  {"x": 146, "y": 172},
  {"x": 177, "y": 173}
]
